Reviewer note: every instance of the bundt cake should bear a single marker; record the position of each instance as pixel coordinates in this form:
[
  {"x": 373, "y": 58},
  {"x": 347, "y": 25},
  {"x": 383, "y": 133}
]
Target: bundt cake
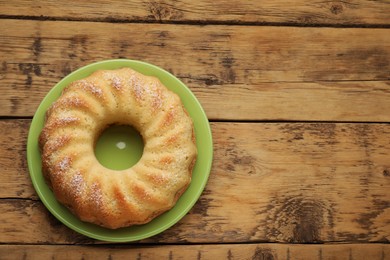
[{"x": 117, "y": 198}]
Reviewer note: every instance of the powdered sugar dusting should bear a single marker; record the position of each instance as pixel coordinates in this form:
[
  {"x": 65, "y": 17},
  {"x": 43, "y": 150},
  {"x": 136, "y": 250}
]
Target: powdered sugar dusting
[
  {"x": 156, "y": 95},
  {"x": 95, "y": 195},
  {"x": 147, "y": 91},
  {"x": 77, "y": 183},
  {"x": 64, "y": 164},
  {"x": 67, "y": 120},
  {"x": 89, "y": 86},
  {"x": 136, "y": 87},
  {"x": 55, "y": 144},
  {"x": 116, "y": 82},
  {"x": 75, "y": 101}
]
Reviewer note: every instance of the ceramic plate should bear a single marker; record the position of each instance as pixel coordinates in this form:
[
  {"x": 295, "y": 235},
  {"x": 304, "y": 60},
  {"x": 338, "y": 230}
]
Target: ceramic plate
[{"x": 184, "y": 204}]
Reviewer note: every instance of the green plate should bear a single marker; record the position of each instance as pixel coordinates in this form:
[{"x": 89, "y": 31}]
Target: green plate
[{"x": 184, "y": 204}]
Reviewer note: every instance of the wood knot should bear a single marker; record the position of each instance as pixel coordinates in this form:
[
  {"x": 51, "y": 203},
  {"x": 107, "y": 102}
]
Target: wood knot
[
  {"x": 240, "y": 161},
  {"x": 263, "y": 254},
  {"x": 386, "y": 173},
  {"x": 161, "y": 11},
  {"x": 299, "y": 219},
  {"x": 336, "y": 9}
]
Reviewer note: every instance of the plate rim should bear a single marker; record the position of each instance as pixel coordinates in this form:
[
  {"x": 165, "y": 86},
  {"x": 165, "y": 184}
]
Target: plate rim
[{"x": 32, "y": 143}]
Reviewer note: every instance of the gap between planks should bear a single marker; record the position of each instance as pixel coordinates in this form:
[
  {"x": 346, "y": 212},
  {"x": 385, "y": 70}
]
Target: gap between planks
[
  {"x": 237, "y": 121},
  {"x": 193, "y": 22},
  {"x": 222, "y": 251},
  {"x": 227, "y": 12}
]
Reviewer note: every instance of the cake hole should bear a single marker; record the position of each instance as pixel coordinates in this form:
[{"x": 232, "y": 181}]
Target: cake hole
[{"x": 119, "y": 147}]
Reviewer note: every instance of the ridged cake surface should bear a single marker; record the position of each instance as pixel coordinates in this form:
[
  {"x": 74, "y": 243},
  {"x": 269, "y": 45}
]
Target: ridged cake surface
[{"x": 112, "y": 198}]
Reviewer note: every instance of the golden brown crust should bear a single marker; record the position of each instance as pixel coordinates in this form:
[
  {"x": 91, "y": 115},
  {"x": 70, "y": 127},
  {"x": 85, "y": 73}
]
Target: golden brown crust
[{"x": 110, "y": 198}]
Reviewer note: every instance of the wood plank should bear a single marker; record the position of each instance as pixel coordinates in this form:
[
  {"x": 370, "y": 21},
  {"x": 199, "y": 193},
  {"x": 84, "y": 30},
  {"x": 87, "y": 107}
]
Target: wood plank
[
  {"x": 358, "y": 12},
  {"x": 267, "y": 73},
  {"x": 14, "y": 176},
  {"x": 233, "y": 251},
  {"x": 274, "y": 182},
  {"x": 318, "y": 101}
]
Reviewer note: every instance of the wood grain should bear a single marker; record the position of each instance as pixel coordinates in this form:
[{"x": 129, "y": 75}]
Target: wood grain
[
  {"x": 298, "y": 97},
  {"x": 273, "y": 182},
  {"x": 266, "y": 73},
  {"x": 14, "y": 177},
  {"x": 245, "y": 251},
  {"x": 357, "y": 12}
]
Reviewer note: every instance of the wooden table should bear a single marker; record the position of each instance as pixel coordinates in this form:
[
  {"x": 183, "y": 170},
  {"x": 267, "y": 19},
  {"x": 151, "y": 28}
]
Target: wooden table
[{"x": 298, "y": 98}]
